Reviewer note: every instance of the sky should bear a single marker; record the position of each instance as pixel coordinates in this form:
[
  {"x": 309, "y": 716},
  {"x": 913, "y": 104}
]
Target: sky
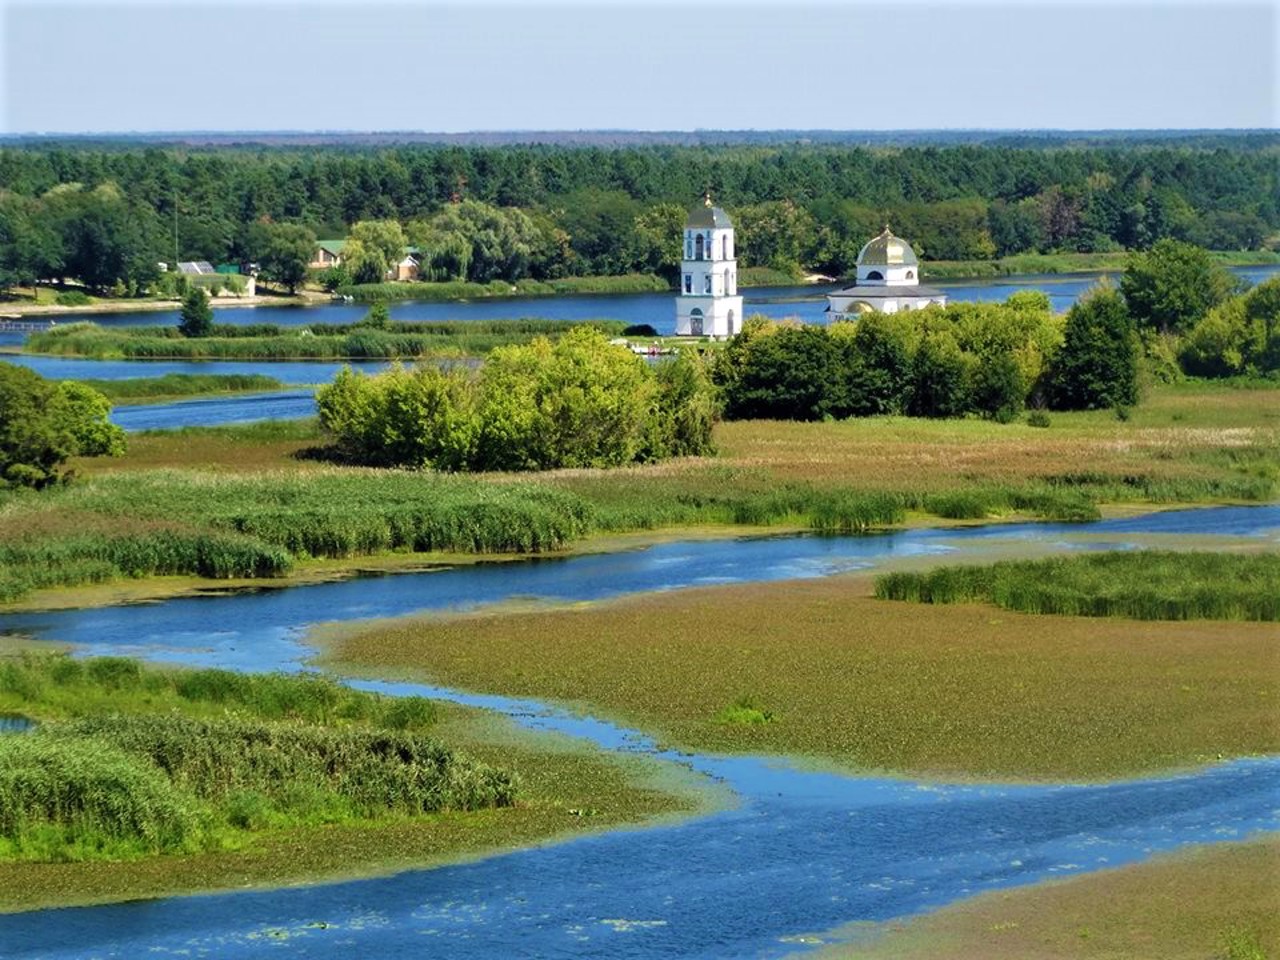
[{"x": 100, "y": 66}]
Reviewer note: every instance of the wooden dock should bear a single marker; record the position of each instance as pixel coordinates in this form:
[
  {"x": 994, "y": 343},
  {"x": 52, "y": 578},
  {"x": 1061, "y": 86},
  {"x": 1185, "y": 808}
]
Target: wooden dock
[{"x": 24, "y": 326}]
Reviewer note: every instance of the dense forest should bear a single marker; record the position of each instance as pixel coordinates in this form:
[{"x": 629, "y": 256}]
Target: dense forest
[{"x": 106, "y": 215}]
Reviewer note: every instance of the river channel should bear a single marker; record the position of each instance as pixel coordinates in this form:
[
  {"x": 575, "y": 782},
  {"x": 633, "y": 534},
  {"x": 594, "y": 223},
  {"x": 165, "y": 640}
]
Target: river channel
[{"x": 794, "y": 854}]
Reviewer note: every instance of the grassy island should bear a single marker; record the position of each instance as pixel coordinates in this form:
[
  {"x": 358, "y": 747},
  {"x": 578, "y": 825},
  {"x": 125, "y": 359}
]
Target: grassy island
[{"x": 139, "y": 781}]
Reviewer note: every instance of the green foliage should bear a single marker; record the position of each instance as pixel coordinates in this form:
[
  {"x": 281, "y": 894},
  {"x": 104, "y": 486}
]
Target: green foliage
[
  {"x": 525, "y": 287},
  {"x": 196, "y": 316},
  {"x": 184, "y": 761},
  {"x": 1239, "y": 336},
  {"x": 283, "y": 250},
  {"x": 182, "y": 385},
  {"x": 579, "y": 402},
  {"x": 73, "y": 298},
  {"x": 443, "y": 339},
  {"x": 746, "y": 710},
  {"x": 966, "y": 358},
  {"x": 378, "y": 317},
  {"x": 1145, "y": 585},
  {"x": 1173, "y": 286},
  {"x": 42, "y": 424},
  {"x": 1097, "y": 366}
]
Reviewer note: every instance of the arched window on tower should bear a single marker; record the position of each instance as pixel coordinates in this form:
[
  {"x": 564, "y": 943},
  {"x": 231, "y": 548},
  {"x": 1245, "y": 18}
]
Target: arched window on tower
[
  {"x": 911, "y": 274},
  {"x": 697, "y": 248},
  {"x": 875, "y": 275},
  {"x": 724, "y": 247},
  {"x": 688, "y": 247},
  {"x": 707, "y": 284}
]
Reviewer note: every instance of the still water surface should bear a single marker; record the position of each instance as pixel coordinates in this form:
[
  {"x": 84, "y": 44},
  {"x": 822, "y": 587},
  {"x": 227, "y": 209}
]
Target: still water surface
[{"x": 797, "y": 851}]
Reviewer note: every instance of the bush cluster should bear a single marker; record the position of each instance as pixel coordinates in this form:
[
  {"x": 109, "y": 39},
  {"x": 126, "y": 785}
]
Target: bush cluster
[
  {"x": 124, "y": 779},
  {"x": 966, "y": 358},
  {"x": 581, "y": 402},
  {"x": 43, "y": 423}
]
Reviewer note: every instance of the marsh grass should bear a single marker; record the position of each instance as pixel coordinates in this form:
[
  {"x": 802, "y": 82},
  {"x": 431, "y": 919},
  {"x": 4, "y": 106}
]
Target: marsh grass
[
  {"x": 1143, "y": 585},
  {"x": 1216, "y": 902},
  {"x": 441, "y": 339},
  {"x": 173, "y": 385},
  {"x": 129, "y": 761}
]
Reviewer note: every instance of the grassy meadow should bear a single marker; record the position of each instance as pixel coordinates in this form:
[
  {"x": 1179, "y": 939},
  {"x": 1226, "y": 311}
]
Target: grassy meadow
[
  {"x": 822, "y": 669},
  {"x": 1220, "y": 902},
  {"x": 140, "y": 782},
  {"x": 263, "y": 499}
]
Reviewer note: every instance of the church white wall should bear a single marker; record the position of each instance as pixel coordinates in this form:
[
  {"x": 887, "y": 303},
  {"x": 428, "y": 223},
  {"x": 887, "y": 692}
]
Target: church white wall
[{"x": 721, "y": 316}]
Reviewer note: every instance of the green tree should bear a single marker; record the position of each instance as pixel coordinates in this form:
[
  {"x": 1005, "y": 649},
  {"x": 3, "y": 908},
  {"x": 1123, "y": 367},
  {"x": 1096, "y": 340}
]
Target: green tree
[
  {"x": 940, "y": 372},
  {"x": 196, "y": 316},
  {"x": 1175, "y": 284},
  {"x": 793, "y": 373},
  {"x": 373, "y": 248},
  {"x": 1097, "y": 366},
  {"x": 284, "y": 250},
  {"x": 42, "y": 424}
]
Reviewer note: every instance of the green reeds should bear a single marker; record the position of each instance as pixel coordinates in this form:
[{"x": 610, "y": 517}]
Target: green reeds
[
  {"x": 164, "y": 761},
  {"x": 1141, "y": 585}
]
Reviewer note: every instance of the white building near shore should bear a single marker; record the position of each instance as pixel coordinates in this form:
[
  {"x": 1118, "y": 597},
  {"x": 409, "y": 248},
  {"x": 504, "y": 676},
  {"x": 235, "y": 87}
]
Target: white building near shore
[
  {"x": 708, "y": 304},
  {"x": 887, "y": 281}
]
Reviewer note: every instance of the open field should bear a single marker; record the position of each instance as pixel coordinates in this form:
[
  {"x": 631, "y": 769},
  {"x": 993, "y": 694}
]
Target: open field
[
  {"x": 964, "y": 691},
  {"x": 564, "y": 788},
  {"x": 1211, "y": 902}
]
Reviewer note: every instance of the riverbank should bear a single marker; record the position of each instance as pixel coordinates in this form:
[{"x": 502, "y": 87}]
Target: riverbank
[
  {"x": 22, "y": 308},
  {"x": 1220, "y": 901},
  {"x": 1067, "y": 263}
]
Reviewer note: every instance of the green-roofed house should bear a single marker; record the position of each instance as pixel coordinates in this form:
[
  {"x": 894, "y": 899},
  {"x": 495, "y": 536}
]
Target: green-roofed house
[{"x": 328, "y": 253}]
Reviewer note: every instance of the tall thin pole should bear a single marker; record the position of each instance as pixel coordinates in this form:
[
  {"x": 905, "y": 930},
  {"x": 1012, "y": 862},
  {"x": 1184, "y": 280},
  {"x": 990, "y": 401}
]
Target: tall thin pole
[{"x": 175, "y": 228}]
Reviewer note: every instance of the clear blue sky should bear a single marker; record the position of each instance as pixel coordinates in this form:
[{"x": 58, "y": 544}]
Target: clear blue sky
[{"x": 711, "y": 64}]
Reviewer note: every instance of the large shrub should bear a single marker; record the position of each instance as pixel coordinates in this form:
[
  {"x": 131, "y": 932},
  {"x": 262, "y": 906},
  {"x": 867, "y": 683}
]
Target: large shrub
[
  {"x": 1173, "y": 285},
  {"x": 1097, "y": 366},
  {"x": 581, "y": 402},
  {"x": 1241, "y": 335},
  {"x": 44, "y": 423}
]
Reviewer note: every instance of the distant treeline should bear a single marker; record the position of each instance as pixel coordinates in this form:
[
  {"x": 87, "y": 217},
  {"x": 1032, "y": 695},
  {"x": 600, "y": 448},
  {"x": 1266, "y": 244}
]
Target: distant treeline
[{"x": 106, "y": 216}]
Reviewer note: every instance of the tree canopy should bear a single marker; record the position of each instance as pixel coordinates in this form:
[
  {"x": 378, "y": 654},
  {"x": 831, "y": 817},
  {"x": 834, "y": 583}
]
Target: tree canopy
[{"x": 43, "y": 423}]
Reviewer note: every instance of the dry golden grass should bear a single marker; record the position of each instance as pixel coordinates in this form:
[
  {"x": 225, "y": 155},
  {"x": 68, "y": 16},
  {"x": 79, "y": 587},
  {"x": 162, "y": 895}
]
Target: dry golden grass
[
  {"x": 956, "y": 691},
  {"x": 1182, "y": 906}
]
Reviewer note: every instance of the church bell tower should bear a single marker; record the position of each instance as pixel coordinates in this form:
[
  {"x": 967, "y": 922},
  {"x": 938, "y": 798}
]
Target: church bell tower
[{"x": 708, "y": 304}]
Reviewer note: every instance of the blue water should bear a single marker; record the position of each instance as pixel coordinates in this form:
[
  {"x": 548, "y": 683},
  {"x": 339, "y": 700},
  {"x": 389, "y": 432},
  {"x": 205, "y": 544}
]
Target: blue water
[
  {"x": 797, "y": 852},
  {"x": 215, "y": 411},
  {"x": 808, "y": 303},
  {"x": 286, "y": 371}
]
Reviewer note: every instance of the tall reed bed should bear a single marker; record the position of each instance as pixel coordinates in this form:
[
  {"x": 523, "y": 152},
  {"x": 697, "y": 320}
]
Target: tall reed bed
[
  {"x": 131, "y": 762},
  {"x": 1143, "y": 585}
]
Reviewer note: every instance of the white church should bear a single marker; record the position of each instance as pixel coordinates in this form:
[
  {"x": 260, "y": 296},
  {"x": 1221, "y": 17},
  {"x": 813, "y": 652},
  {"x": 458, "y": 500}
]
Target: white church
[
  {"x": 887, "y": 281},
  {"x": 708, "y": 304}
]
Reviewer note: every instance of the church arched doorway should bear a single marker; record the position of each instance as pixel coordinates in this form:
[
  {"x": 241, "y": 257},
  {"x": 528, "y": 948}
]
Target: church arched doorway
[{"x": 695, "y": 322}]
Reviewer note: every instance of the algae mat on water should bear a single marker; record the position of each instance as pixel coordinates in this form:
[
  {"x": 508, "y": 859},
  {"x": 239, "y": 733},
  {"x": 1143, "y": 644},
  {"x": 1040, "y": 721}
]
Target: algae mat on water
[
  {"x": 965, "y": 690},
  {"x": 1219, "y": 902}
]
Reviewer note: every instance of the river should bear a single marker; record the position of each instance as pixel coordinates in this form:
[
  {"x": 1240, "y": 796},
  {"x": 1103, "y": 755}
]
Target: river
[{"x": 797, "y": 852}]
